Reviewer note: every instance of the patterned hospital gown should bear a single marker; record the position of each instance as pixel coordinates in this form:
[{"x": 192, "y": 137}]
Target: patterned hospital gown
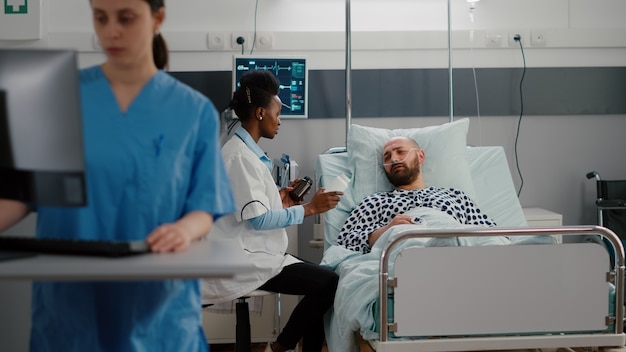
[{"x": 380, "y": 208}]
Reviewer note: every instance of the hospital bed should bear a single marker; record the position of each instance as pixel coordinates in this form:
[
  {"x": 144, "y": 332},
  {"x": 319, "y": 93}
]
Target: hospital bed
[{"x": 446, "y": 287}]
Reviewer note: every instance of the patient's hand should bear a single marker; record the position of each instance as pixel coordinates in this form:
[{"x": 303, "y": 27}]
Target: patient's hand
[{"x": 399, "y": 219}]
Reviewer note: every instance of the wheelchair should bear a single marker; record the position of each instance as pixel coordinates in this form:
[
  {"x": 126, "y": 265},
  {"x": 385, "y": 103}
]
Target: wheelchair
[
  {"x": 611, "y": 204},
  {"x": 611, "y": 207}
]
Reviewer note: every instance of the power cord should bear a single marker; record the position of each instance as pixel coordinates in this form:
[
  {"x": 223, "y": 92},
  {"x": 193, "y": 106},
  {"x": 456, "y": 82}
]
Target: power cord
[
  {"x": 241, "y": 41},
  {"x": 518, "y": 39},
  {"x": 256, "y": 8}
]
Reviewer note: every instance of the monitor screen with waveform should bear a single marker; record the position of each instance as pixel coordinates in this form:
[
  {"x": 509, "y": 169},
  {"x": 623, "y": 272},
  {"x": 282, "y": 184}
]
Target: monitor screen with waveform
[{"x": 292, "y": 74}]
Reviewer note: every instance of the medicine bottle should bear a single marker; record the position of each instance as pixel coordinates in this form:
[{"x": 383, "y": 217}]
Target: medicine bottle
[{"x": 300, "y": 189}]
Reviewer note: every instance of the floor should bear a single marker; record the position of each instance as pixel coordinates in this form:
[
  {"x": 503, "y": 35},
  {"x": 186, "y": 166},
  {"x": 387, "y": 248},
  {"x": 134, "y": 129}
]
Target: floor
[
  {"x": 256, "y": 347},
  {"x": 260, "y": 347}
]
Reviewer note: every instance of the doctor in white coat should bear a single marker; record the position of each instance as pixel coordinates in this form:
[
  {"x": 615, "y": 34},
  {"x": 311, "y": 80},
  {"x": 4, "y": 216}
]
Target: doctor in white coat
[{"x": 262, "y": 214}]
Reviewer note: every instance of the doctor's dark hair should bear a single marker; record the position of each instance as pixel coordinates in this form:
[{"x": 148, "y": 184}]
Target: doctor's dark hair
[
  {"x": 255, "y": 89},
  {"x": 160, "y": 53}
]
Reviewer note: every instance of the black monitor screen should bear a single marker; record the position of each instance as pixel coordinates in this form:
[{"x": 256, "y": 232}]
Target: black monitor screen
[
  {"x": 292, "y": 74},
  {"x": 41, "y": 135}
]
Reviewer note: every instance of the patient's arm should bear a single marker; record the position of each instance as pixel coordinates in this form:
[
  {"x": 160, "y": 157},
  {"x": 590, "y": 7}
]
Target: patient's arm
[
  {"x": 399, "y": 219},
  {"x": 11, "y": 212}
]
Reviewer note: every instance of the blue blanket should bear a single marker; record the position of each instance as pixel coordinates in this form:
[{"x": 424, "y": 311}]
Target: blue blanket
[{"x": 357, "y": 292}]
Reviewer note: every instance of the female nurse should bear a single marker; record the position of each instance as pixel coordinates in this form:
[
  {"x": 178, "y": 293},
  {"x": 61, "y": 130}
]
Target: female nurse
[
  {"x": 154, "y": 172},
  {"x": 262, "y": 214}
]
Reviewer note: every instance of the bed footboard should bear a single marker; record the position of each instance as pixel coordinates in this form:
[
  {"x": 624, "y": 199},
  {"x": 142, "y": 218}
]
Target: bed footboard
[{"x": 502, "y": 297}]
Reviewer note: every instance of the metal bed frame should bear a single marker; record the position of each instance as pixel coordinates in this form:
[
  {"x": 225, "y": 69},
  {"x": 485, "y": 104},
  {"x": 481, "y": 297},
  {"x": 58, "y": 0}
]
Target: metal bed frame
[{"x": 615, "y": 276}]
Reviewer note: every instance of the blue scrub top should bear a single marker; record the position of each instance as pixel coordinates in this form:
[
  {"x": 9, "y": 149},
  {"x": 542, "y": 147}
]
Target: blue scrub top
[{"x": 149, "y": 165}]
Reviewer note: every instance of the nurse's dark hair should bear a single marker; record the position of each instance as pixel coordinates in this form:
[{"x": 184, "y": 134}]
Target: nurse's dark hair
[
  {"x": 255, "y": 89},
  {"x": 160, "y": 53}
]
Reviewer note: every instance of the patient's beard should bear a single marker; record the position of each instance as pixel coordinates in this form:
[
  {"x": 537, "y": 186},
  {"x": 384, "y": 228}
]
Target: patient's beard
[{"x": 405, "y": 176}]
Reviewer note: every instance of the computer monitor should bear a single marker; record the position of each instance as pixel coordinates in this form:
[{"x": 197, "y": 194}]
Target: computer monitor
[
  {"x": 41, "y": 135},
  {"x": 292, "y": 73}
]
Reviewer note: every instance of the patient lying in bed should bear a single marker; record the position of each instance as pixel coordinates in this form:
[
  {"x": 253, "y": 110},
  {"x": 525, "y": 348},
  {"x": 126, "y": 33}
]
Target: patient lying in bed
[
  {"x": 368, "y": 227},
  {"x": 402, "y": 161}
]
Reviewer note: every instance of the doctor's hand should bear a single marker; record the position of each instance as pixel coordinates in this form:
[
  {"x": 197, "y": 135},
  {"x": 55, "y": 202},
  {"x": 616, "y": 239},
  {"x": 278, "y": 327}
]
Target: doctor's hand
[
  {"x": 284, "y": 197},
  {"x": 322, "y": 202}
]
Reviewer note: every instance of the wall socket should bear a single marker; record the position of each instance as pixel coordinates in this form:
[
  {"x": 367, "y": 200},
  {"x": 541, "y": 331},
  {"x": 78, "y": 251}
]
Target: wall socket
[
  {"x": 216, "y": 40},
  {"x": 538, "y": 38},
  {"x": 264, "y": 40},
  {"x": 493, "y": 39},
  {"x": 523, "y": 35},
  {"x": 247, "y": 37}
]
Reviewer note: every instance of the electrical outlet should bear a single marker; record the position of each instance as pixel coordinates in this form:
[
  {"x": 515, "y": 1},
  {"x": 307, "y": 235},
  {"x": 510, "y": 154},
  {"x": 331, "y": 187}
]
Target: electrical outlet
[
  {"x": 538, "y": 38},
  {"x": 523, "y": 35},
  {"x": 493, "y": 39},
  {"x": 216, "y": 40},
  {"x": 247, "y": 40},
  {"x": 264, "y": 40}
]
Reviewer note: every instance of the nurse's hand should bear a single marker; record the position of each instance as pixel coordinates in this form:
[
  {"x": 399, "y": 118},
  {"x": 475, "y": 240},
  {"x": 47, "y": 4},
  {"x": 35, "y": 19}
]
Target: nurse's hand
[
  {"x": 322, "y": 202},
  {"x": 169, "y": 238}
]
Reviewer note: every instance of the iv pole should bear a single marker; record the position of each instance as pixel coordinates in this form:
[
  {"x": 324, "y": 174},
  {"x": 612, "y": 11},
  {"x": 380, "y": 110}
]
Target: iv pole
[
  {"x": 348, "y": 71},
  {"x": 450, "y": 85}
]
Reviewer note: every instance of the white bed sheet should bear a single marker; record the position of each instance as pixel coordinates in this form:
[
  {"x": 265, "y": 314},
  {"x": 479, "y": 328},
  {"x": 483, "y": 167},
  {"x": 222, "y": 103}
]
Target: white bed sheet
[{"x": 496, "y": 195}]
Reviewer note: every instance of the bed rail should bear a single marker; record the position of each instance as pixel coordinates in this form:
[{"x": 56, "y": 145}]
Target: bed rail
[{"x": 613, "y": 239}]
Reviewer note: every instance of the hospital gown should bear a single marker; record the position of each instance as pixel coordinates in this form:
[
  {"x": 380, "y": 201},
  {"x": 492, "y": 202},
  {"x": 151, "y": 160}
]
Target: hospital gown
[
  {"x": 380, "y": 208},
  {"x": 149, "y": 165}
]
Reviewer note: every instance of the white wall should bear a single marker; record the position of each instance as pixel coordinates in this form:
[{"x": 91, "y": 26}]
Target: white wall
[
  {"x": 394, "y": 34},
  {"x": 555, "y": 152}
]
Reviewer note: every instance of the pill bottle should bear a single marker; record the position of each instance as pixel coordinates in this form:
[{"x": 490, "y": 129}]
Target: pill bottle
[{"x": 300, "y": 189}]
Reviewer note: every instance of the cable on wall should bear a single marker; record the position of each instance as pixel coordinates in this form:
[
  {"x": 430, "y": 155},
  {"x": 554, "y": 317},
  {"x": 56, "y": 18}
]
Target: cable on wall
[
  {"x": 518, "y": 39},
  {"x": 256, "y": 8}
]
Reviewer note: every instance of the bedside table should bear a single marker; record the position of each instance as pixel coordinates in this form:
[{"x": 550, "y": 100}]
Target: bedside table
[
  {"x": 538, "y": 217},
  {"x": 541, "y": 217}
]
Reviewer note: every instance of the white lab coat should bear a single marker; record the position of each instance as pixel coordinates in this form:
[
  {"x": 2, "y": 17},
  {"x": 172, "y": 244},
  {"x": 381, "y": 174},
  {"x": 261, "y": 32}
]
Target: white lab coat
[{"x": 255, "y": 193}]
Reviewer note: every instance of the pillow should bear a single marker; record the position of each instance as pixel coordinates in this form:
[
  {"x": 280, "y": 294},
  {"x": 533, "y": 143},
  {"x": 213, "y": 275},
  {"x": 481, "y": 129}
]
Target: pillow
[{"x": 445, "y": 164}]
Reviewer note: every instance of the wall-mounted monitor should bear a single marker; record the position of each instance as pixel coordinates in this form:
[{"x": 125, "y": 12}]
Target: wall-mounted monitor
[
  {"x": 41, "y": 131},
  {"x": 292, "y": 73}
]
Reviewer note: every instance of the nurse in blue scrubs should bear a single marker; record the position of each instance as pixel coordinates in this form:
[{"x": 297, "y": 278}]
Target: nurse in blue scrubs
[{"x": 154, "y": 172}]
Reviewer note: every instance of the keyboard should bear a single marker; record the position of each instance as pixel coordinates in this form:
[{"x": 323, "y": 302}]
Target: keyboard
[{"x": 72, "y": 246}]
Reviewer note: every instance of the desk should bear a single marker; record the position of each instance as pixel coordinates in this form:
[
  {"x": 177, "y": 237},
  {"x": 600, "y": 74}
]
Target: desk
[{"x": 210, "y": 258}]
